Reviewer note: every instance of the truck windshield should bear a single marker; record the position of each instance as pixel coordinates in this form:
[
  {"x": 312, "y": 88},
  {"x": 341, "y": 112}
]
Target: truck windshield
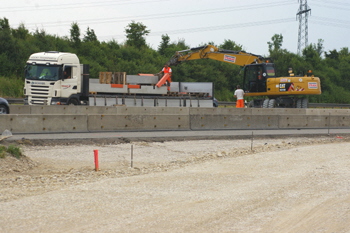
[{"x": 43, "y": 72}]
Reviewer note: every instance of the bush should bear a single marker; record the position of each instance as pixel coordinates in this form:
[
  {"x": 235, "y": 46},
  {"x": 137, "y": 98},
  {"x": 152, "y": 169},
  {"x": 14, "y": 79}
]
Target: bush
[
  {"x": 11, "y": 87},
  {"x": 2, "y": 152},
  {"x": 10, "y": 150}
]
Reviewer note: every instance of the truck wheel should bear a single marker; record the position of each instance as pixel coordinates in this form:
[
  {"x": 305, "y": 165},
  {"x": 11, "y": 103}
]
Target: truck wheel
[
  {"x": 251, "y": 104},
  {"x": 3, "y": 109},
  {"x": 304, "y": 103},
  {"x": 266, "y": 103},
  {"x": 272, "y": 103},
  {"x": 73, "y": 102},
  {"x": 299, "y": 103}
]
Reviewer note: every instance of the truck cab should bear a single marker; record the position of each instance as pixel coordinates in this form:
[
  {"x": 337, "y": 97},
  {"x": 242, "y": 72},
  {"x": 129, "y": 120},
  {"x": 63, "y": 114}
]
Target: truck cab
[{"x": 52, "y": 78}]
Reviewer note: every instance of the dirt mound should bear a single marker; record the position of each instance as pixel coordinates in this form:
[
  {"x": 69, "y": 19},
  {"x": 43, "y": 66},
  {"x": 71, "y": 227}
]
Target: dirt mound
[{"x": 10, "y": 164}]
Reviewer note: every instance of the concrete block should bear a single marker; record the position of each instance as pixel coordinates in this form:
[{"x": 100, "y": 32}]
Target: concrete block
[
  {"x": 217, "y": 111},
  {"x": 292, "y": 121},
  {"x": 137, "y": 122},
  {"x": 327, "y": 112},
  {"x": 220, "y": 121},
  {"x": 175, "y": 87},
  {"x": 45, "y": 123},
  {"x": 137, "y": 79},
  {"x": 149, "y": 90},
  {"x": 123, "y": 110},
  {"x": 106, "y": 88},
  {"x": 295, "y": 121},
  {"x": 278, "y": 111},
  {"x": 102, "y": 110},
  {"x": 342, "y": 121},
  {"x": 317, "y": 121},
  {"x": 196, "y": 87},
  {"x": 20, "y": 109},
  {"x": 58, "y": 109},
  {"x": 5, "y": 122}
]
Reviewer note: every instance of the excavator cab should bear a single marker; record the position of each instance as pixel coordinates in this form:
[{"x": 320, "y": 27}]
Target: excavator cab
[{"x": 255, "y": 76}]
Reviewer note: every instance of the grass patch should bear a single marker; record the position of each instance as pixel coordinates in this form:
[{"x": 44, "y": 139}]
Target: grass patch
[
  {"x": 2, "y": 152},
  {"x": 11, "y": 150},
  {"x": 11, "y": 87}
]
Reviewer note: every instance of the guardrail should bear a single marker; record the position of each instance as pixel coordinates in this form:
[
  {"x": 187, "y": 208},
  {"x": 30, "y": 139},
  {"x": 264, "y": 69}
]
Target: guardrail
[{"x": 15, "y": 100}]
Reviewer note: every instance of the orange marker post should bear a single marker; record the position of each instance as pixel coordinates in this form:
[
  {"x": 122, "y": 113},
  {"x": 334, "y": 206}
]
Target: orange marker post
[{"x": 96, "y": 160}]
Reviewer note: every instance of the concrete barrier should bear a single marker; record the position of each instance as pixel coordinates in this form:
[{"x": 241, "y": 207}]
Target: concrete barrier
[
  {"x": 123, "y": 110},
  {"x": 339, "y": 121},
  {"x": 314, "y": 121},
  {"x": 137, "y": 122},
  {"x": 328, "y": 112},
  {"x": 279, "y": 111},
  {"x": 43, "y": 123},
  {"x": 20, "y": 109},
  {"x": 53, "y": 119},
  {"x": 220, "y": 111},
  {"x": 62, "y": 109},
  {"x": 294, "y": 121},
  {"x": 208, "y": 122}
]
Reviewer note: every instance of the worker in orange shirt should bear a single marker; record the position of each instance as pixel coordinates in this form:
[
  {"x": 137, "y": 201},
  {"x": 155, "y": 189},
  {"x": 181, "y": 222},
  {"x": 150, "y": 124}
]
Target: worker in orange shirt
[
  {"x": 239, "y": 95},
  {"x": 167, "y": 70}
]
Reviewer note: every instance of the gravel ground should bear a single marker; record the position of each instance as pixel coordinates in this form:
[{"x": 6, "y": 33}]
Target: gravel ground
[{"x": 265, "y": 185}]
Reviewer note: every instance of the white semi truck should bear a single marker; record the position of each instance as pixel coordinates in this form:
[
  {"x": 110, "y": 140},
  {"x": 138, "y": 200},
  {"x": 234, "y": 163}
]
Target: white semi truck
[{"x": 56, "y": 78}]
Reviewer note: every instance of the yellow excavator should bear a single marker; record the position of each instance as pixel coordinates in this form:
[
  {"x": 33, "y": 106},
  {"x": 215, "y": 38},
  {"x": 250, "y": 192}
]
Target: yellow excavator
[{"x": 259, "y": 77}]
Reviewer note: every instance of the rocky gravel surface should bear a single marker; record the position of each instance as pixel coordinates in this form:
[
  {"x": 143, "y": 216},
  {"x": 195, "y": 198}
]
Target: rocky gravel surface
[{"x": 294, "y": 184}]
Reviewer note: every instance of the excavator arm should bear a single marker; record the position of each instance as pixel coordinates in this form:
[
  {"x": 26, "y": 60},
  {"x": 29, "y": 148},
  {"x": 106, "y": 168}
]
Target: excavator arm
[{"x": 239, "y": 58}]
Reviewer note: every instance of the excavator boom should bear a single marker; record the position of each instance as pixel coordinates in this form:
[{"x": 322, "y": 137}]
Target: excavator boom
[{"x": 239, "y": 58}]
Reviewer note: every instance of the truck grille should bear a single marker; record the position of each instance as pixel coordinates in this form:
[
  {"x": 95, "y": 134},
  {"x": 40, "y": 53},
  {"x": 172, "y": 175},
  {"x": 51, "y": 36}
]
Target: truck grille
[{"x": 38, "y": 95}]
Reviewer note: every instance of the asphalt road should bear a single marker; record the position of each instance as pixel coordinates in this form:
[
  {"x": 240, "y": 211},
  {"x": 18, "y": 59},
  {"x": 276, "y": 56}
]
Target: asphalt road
[{"x": 180, "y": 135}]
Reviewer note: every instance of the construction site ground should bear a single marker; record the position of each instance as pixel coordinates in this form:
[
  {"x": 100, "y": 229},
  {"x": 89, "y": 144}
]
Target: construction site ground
[{"x": 289, "y": 184}]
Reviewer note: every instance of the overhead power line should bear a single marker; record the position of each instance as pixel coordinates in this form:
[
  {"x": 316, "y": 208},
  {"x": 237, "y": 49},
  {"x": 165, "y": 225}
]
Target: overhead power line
[
  {"x": 337, "y": 7},
  {"x": 162, "y": 16},
  {"x": 213, "y": 28},
  {"x": 76, "y": 5},
  {"x": 331, "y": 22},
  {"x": 346, "y": 22},
  {"x": 334, "y": 2}
]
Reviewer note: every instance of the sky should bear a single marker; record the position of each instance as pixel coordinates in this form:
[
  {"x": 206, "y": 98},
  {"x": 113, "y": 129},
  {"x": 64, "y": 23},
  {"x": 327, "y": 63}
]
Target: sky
[{"x": 250, "y": 23}]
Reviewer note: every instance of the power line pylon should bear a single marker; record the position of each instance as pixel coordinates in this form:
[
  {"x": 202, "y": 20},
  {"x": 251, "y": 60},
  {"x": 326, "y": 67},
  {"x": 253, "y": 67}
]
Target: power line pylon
[{"x": 303, "y": 14}]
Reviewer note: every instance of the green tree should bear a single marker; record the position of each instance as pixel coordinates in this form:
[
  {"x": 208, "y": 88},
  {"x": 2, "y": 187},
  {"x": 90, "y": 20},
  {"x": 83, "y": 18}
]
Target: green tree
[
  {"x": 8, "y": 48},
  {"x": 276, "y": 43},
  {"x": 164, "y": 44},
  {"x": 231, "y": 45},
  {"x": 135, "y": 34},
  {"x": 312, "y": 56},
  {"x": 75, "y": 35},
  {"x": 90, "y": 36},
  {"x": 21, "y": 32}
]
